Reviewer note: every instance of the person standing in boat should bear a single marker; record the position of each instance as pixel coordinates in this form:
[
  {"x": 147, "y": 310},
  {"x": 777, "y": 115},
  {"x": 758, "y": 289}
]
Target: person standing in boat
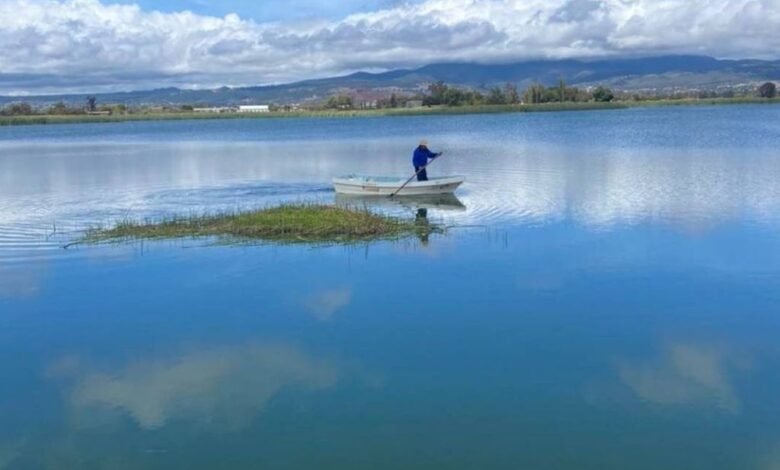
[{"x": 422, "y": 155}]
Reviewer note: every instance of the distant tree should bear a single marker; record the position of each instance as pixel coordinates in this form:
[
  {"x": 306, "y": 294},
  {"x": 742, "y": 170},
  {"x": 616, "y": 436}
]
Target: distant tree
[
  {"x": 59, "y": 108},
  {"x": 551, "y": 94},
  {"x": 510, "y": 94},
  {"x": 454, "y": 97},
  {"x": 441, "y": 94},
  {"x": 393, "y": 101},
  {"x": 436, "y": 93},
  {"x": 474, "y": 98},
  {"x": 340, "y": 102},
  {"x": 561, "y": 90},
  {"x": 767, "y": 90},
  {"x": 91, "y": 103},
  {"x": 187, "y": 107},
  {"x": 495, "y": 96},
  {"x": 603, "y": 95},
  {"x": 534, "y": 94},
  {"x": 122, "y": 109},
  {"x": 580, "y": 95},
  {"x": 437, "y": 88},
  {"x": 19, "y": 109}
]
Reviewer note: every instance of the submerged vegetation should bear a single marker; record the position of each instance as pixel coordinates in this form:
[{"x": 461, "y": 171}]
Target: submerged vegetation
[{"x": 290, "y": 223}]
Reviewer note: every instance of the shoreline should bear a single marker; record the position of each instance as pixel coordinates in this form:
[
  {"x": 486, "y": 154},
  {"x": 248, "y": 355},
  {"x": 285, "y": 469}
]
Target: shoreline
[{"x": 392, "y": 112}]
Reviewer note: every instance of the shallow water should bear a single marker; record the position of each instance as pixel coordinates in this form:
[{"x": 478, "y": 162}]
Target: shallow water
[{"x": 605, "y": 297}]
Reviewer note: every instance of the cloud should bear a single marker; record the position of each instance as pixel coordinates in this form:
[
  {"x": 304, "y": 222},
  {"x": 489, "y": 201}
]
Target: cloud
[
  {"x": 88, "y": 45},
  {"x": 325, "y": 303},
  {"x": 227, "y": 386},
  {"x": 687, "y": 374}
]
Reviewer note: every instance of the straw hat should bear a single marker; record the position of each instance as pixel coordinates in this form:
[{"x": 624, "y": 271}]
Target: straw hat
[{"x": 424, "y": 143}]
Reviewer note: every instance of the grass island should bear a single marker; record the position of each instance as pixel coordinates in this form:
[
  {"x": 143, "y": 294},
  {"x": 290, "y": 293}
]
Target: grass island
[{"x": 288, "y": 223}]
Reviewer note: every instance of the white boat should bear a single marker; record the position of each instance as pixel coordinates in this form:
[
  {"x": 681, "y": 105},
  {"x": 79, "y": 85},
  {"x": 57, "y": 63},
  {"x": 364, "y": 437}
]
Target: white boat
[{"x": 387, "y": 185}]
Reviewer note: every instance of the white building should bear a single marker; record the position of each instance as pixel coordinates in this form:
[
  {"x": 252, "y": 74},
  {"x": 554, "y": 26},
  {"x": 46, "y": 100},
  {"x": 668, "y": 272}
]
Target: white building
[
  {"x": 213, "y": 109},
  {"x": 254, "y": 108}
]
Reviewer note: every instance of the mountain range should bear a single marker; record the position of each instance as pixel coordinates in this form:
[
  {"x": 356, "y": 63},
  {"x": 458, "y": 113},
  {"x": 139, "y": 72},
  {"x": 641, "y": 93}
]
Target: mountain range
[{"x": 653, "y": 75}]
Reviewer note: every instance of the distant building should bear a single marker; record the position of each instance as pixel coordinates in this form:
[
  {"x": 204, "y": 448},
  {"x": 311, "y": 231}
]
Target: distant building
[
  {"x": 254, "y": 108},
  {"x": 365, "y": 105},
  {"x": 214, "y": 109},
  {"x": 414, "y": 104}
]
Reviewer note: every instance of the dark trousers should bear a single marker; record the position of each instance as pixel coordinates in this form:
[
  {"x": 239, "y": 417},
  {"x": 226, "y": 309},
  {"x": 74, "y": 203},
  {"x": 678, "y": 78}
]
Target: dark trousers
[{"x": 422, "y": 173}]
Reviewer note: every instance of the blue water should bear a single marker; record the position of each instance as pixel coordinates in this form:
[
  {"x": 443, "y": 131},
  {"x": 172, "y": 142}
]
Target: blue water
[{"x": 605, "y": 297}]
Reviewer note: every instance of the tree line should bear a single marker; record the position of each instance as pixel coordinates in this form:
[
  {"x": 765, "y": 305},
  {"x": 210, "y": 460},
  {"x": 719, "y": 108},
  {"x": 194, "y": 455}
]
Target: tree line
[
  {"x": 60, "y": 109},
  {"x": 438, "y": 94},
  {"x": 442, "y": 94}
]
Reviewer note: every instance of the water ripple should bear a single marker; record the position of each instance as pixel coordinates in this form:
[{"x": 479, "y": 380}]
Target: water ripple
[
  {"x": 514, "y": 177},
  {"x": 35, "y": 226}
]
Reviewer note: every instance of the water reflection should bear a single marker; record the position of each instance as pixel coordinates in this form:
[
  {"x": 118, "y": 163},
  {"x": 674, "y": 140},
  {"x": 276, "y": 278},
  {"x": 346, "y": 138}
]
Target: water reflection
[
  {"x": 685, "y": 374},
  {"x": 21, "y": 281},
  {"x": 495, "y": 343},
  {"x": 512, "y": 180},
  {"x": 445, "y": 202},
  {"x": 605, "y": 188},
  {"x": 421, "y": 219},
  {"x": 8, "y": 453},
  {"x": 325, "y": 303},
  {"x": 770, "y": 458},
  {"x": 224, "y": 387}
]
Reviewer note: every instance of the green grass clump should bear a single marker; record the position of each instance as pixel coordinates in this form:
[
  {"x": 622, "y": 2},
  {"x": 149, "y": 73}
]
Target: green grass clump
[{"x": 291, "y": 223}]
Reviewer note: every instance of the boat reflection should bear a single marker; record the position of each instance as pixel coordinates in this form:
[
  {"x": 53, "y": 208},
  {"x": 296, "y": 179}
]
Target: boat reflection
[
  {"x": 448, "y": 202},
  {"x": 418, "y": 205},
  {"x": 421, "y": 219}
]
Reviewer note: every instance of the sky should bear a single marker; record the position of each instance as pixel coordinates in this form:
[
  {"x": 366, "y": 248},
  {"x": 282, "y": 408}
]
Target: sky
[
  {"x": 264, "y": 10},
  {"x": 58, "y": 46}
]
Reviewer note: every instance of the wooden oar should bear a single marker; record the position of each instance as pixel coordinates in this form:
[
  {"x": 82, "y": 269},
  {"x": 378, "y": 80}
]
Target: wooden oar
[{"x": 415, "y": 175}]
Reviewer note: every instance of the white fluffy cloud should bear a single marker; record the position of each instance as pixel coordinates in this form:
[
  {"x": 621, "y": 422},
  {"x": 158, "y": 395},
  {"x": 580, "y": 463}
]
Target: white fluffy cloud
[{"x": 80, "y": 44}]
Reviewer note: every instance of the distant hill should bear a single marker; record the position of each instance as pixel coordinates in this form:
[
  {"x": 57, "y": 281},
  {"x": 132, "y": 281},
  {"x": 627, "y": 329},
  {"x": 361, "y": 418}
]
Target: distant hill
[{"x": 653, "y": 74}]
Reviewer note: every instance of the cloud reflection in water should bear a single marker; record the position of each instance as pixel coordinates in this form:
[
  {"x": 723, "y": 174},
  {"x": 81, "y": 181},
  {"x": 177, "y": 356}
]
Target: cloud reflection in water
[
  {"x": 686, "y": 374},
  {"x": 227, "y": 386},
  {"x": 325, "y": 303}
]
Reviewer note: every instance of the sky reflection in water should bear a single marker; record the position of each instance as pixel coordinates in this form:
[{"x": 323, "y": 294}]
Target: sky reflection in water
[{"x": 605, "y": 298}]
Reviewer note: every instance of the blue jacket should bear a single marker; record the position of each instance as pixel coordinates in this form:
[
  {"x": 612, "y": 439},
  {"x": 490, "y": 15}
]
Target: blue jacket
[{"x": 421, "y": 156}]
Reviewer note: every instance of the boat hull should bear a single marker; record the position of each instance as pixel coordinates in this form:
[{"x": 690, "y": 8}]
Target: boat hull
[{"x": 383, "y": 186}]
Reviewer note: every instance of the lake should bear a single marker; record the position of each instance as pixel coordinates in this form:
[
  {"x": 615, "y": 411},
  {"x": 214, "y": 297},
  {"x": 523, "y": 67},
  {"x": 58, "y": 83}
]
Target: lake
[{"x": 605, "y": 296}]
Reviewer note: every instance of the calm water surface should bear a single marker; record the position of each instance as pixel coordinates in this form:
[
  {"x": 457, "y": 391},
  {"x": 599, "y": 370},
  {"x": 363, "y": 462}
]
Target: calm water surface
[{"x": 606, "y": 297}]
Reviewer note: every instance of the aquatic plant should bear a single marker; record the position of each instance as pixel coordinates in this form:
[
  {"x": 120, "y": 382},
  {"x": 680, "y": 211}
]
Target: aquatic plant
[{"x": 285, "y": 223}]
